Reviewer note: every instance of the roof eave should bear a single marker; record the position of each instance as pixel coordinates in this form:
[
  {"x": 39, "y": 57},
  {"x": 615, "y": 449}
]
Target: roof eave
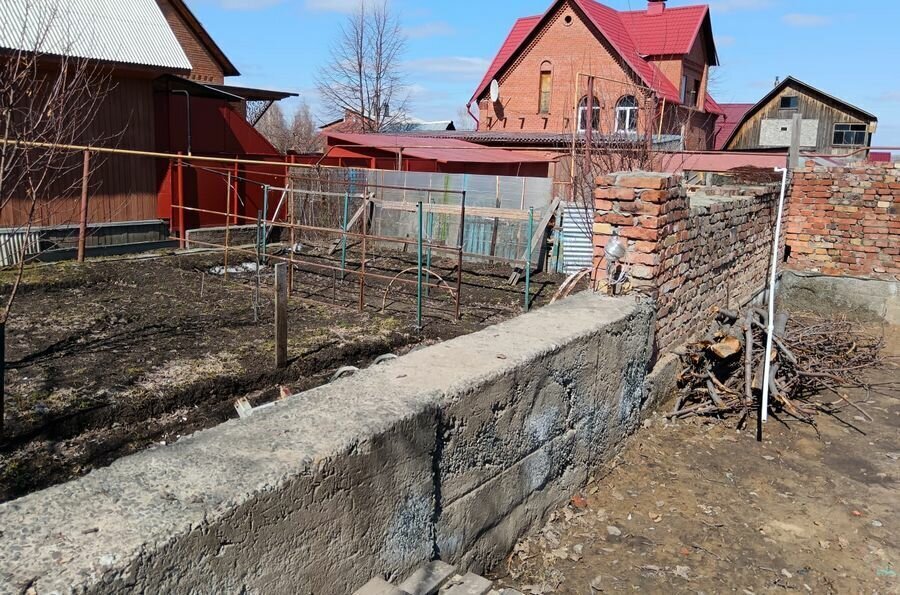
[{"x": 228, "y": 67}]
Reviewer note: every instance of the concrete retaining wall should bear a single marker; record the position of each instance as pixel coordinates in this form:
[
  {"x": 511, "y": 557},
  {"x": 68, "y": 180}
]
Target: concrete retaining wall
[
  {"x": 868, "y": 300},
  {"x": 453, "y": 451}
]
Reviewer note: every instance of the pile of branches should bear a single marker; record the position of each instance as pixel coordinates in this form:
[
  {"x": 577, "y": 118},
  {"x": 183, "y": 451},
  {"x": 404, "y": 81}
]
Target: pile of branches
[{"x": 722, "y": 374}]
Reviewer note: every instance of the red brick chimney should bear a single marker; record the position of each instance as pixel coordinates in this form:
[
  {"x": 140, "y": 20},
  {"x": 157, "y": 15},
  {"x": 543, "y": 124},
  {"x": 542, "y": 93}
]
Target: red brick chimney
[{"x": 656, "y": 6}]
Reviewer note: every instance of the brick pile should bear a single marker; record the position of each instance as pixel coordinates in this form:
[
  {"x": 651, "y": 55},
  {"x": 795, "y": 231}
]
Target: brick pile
[
  {"x": 688, "y": 260},
  {"x": 845, "y": 220}
]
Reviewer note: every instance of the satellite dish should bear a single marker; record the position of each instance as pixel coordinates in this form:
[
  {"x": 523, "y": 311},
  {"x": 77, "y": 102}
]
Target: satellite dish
[{"x": 495, "y": 90}]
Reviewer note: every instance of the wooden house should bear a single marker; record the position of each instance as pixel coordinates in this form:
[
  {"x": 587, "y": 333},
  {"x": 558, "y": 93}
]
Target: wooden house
[
  {"x": 828, "y": 125},
  {"x": 167, "y": 94}
]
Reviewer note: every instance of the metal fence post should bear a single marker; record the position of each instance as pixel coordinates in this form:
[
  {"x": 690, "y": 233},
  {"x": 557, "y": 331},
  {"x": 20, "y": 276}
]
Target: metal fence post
[
  {"x": 82, "y": 225},
  {"x": 344, "y": 234},
  {"x": 419, "y": 268},
  {"x": 528, "y": 265},
  {"x": 265, "y": 229},
  {"x": 281, "y": 310}
]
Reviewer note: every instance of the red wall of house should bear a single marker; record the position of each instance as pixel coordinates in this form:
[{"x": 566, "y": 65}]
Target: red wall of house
[{"x": 217, "y": 131}]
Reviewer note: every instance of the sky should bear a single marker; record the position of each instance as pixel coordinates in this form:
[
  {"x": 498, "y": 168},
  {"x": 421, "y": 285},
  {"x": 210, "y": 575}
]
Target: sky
[{"x": 848, "y": 49}]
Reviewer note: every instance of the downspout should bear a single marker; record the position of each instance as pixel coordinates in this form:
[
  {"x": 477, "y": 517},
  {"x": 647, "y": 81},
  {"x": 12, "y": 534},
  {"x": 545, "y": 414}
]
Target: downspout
[
  {"x": 187, "y": 97},
  {"x": 469, "y": 110}
]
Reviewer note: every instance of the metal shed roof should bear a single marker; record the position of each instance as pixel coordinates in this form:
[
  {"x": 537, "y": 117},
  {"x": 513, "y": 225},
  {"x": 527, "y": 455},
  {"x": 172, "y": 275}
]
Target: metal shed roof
[
  {"x": 131, "y": 32},
  {"x": 442, "y": 150}
]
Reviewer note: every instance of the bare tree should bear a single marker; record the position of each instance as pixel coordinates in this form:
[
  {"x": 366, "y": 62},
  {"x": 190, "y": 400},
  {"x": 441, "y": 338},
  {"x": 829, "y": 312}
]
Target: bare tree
[
  {"x": 273, "y": 125},
  {"x": 464, "y": 120},
  {"x": 46, "y": 102},
  {"x": 304, "y": 134},
  {"x": 364, "y": 76}
]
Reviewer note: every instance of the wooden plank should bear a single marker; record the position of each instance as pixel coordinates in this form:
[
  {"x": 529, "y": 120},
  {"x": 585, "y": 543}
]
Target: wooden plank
[
  {"x": 335, "y": 244},
  {"x": 535, "y": 240},
  {"x": 487, "y": 212},
  {"x": 281, "y": 323}
]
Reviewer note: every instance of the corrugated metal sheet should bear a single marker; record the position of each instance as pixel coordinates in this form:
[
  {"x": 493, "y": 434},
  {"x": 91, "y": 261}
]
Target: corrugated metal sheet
[
  {"x": 118, "y": 31},
  {"x": 11, "y": 246},
  {"x": 577, "y": 244}
]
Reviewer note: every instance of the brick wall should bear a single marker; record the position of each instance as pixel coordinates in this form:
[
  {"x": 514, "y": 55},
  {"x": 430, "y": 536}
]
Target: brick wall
[
  {"x": 568, "y": 44},
  {"x": 205, "y": 67},
  {"x": 845, "y": 220},
  {"x": 688, "y": 259}
]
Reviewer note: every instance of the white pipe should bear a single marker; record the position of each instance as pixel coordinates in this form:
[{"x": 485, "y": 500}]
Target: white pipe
[{"x": 767, "y": 366}]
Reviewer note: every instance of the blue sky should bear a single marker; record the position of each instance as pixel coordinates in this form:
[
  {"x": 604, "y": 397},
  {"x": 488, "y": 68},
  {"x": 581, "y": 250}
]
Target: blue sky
[{"x": 849, "y": 49}]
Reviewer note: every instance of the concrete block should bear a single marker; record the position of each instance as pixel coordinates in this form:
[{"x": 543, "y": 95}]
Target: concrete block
[
  {"x": 379, "y": 586},
  {"x": 428, "y": 579},
  {"x": 471, "y": 584}
]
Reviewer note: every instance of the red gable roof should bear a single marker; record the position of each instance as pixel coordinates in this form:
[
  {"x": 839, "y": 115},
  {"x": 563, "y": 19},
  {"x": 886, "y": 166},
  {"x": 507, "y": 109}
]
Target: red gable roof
[
  {"x": 650, "y": 33},
  {"x": 672, "y": 32},
  {"x": 734, "y": 115}
]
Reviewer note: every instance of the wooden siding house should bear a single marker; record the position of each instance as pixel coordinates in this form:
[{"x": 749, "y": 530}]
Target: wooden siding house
[
  {"x": 167, "y": 94},
  {"x": 829, "y": 126}
]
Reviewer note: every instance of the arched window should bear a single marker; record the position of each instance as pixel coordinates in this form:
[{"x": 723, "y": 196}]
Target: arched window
[
  {"x": 627, "y": 114},
  {"x": 546, "y": 88},
  {"x": 583, "y": 114}
]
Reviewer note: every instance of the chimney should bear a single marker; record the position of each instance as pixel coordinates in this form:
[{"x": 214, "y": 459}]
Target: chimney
[{"x": 656, "y": 6}]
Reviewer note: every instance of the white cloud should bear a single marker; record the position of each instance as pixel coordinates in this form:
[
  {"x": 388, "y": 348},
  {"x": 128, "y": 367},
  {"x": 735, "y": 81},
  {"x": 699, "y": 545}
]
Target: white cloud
[
  {"x": 725, "y": 41},
  {"x": 243, "y": 4},
  {"x": 449, "y": 65},
  {"x": 889, "y": 97},
  {"x": 798, "y": 19},
  {"x": 344, "y": 6},
  {"x": 733, "y": 5},
  {"x": 433, "y": 29}
]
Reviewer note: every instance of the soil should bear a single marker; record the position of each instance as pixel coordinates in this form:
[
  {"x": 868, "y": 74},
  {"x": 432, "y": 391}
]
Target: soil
[
  {"x": 113, "y": 356},
  {"x": 698, "y": 507}
]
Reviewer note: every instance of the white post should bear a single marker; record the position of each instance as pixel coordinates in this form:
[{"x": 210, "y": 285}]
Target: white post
[{"x": 767, "y": 362}]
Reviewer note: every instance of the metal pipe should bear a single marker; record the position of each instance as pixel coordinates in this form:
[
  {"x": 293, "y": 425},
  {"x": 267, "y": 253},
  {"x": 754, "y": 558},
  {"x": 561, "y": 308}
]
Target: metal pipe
[
  {"x": 82, "y": 224},
  {"x": 419, "y": 269},
  {"x": 181, "y": 233},
  {"x": 265, "y": 229},
  {"x": 362, "y": 276},
  {"x": 528, "y": 250},
  {"x": 767, "y": 359},
  {"x": 187, "y": 98},
  {"x": 344, "y": 235},
  {"x": 430, "y": 240}
]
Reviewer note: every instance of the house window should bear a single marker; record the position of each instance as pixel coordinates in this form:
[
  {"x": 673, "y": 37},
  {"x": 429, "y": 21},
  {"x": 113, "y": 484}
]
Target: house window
[
  {"x": 790, "y": 102},
  {"x": 851, "y": 134},
  {"x": 690, "y": 91},
  {"x": 545, "y": 88},
  {"x": 582, "y": 114},
  {"x": 626, "y": 114}
]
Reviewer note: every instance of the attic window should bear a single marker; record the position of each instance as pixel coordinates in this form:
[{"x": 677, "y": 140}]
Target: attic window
[
  {"x": 790, "y": 102},
  {"x": 851, "y": 134},
  {"x": 567, "y": 20}
]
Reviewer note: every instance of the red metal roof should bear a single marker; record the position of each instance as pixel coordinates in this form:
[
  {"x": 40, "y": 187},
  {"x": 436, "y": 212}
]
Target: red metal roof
[
  {"x": 672, "y": 32},
  {"x": 634, "y": 35},
  {"x": 721, "y": 162},
  {"x": 442, "y": 150},
  {"x": 733, "y": 115}
]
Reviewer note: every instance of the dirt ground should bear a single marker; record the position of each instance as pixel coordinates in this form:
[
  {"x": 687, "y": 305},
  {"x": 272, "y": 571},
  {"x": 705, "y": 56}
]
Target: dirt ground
[
  {"x": 698, "y": 507},
  {"x": 116, "y": 355}
]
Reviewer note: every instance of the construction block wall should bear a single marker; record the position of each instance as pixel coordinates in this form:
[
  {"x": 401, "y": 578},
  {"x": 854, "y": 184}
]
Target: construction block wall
[
  {"x": 688, "y": 255},
  {"x": 845, "y": 221}
]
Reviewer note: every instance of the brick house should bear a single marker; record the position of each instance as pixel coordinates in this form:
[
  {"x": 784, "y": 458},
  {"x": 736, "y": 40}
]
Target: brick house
[{"x": 647, "y": 71}]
